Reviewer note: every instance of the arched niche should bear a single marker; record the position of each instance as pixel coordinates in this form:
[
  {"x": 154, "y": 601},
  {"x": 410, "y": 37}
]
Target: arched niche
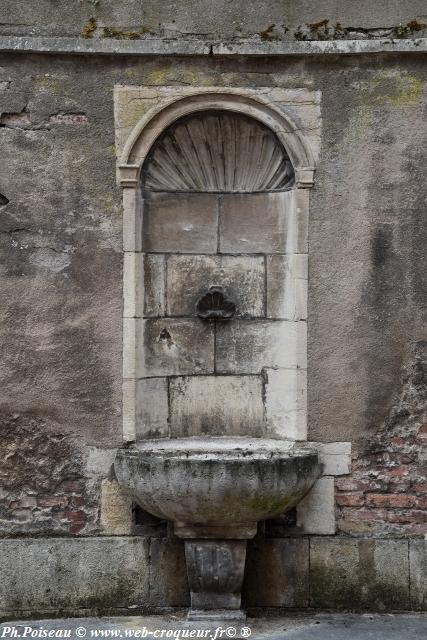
[{"x": 215, "y": 194}]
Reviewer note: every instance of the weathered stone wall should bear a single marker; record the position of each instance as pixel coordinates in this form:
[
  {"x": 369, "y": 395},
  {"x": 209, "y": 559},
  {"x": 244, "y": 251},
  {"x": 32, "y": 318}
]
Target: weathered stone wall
[
  {"x": 61, "y": 227},
  {"x": 61, "y": 312},
  {"x": 220, "y": 19}
]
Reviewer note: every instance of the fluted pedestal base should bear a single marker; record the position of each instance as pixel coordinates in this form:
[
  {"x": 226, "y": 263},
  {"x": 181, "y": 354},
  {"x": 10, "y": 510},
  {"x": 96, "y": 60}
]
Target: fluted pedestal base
[{"x": 215, "y": 571}]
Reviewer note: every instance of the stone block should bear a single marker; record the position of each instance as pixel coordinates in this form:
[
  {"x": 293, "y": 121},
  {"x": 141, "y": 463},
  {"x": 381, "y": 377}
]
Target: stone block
[
  {"x": 216, "y": 406},
  {"x": 167, "y": 347},
  {"x": 316, "y": 512},
  {"x": 418, "y": 574},
  {"x": 277, "y": 573},
  {"x": 242, "y": 278},
  {"x": 286, "y": 402},
  {"x": 335, "y": 456},
  {"x": 116, "y": 509},
  {"x": 262, "y": 223},
  {"x": 287, "y": 281},
  {"x": 180, "y": 223},
  {"x": 128, "y": 409},
  {"x": 248, "y": 346},
  {"x": 51, "y": 574},
  {"x": 132, "y": 220},
  {"x": 359, "y": 574},
  {"x": 168, "y": 583},
  {"x": 131, "y": 327},
  {"x": 154, "y": 285},
  {"x": 133, "y": 284},
  {"x": 99, "y": 461},
  {"x": 151, "y": 408}
]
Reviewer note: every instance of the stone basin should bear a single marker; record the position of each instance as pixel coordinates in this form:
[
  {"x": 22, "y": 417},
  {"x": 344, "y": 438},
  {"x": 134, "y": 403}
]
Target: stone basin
[
  {"x": 217, "y": 482},
  {"x": 215, "y": 490}
]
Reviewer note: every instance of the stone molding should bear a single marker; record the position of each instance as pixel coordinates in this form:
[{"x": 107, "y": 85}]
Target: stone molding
[{"x": 196, "y": 47}]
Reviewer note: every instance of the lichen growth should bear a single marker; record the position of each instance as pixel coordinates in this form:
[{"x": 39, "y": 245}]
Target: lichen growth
[
  {"x": 112, "y": 149},
  {"x": 397, "y": 90},
  {"x": 89, "y": 28}
]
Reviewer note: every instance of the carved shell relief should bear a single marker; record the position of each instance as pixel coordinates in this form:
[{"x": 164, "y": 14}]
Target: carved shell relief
[
  {"x": 218, "y": 151},
  {"x": 215, "y": 304}
]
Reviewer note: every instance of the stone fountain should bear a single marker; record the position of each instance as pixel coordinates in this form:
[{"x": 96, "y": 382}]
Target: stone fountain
[
  {"x": 215, "y": 331},
  {"x": 215, "y": 490}
]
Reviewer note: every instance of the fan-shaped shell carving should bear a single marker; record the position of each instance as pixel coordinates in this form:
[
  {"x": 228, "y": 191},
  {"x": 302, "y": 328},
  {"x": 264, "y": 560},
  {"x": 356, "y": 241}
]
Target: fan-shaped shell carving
[
  {"x": 218, "y": 151},
  {"x": 215, "y": 304}
]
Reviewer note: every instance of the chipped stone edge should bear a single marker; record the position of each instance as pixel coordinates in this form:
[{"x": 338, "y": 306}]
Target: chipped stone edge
[{"x": 191, "y": 47}]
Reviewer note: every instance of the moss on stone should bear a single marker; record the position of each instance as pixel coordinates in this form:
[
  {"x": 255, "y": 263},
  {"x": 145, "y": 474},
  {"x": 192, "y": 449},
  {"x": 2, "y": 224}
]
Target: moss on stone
[
  {"x": 117, "y": 34},
  {"x": 268, "y": 33},
  {"x": 89, "y": 28},
  {"x": 409, "y": 29}
]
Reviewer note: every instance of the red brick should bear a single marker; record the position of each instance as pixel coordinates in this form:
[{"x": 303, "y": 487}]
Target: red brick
[
  {"x": 350, "y": 484},
  {"x": 364, "y": 514},
  {"x": 52, "y": 501},
  {"x": 410, "y": 516},
  {"x": 394, "y": 500},
  {"x": 78, "y": 501},
  {"x": 72, "y": 486},
  {"x": 75, "y": 516},
  {"x": 399, "y": 471},
  {"x": 422, "y": 434},
  {"x": 398, "y": 442},
  {"x": 421, "y": 502},
  {"x": 420, "y": 487},
  {"x": 417, "y": 529},
  {"x": 350, "y": 500}
]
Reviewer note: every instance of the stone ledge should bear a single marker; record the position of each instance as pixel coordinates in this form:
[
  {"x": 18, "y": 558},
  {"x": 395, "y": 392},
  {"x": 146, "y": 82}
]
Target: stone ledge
[
  {"x": 194, "y": 47},
  {"x": 111, "y": 573},
  {"x": 101, "y": 46},
  {"x": 320, "y": 47}
]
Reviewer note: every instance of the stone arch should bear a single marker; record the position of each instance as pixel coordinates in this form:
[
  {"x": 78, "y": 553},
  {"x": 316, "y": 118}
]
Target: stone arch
[{"x": 158, "y": 119}]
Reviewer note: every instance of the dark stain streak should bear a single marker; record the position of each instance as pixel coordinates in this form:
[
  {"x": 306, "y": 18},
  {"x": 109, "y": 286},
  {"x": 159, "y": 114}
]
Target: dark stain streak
[{"x": 380, "y": 245}]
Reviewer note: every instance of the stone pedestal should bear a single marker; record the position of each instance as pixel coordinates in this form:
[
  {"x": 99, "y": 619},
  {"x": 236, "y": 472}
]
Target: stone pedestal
[{"x": 215, "y": 574}]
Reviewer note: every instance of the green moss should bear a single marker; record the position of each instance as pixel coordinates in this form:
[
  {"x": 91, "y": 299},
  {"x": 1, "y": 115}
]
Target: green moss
[
  {"x": 117, "y": 34},
  {"x": 409, "y": 29},
  {"x": 268, "y": 34},
  {"x": 89, "y": 28},
  {"x": 321, "y": 30}
]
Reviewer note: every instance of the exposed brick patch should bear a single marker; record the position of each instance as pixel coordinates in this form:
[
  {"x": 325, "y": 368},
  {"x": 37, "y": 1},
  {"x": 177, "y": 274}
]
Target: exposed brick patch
[
  {"x": 386, "y": 493},
  {"x": 43, "y": 488}
]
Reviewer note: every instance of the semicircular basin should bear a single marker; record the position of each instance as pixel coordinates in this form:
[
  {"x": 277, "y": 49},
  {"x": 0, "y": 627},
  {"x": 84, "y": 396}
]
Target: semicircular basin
[{"x": 217, "y": 481}]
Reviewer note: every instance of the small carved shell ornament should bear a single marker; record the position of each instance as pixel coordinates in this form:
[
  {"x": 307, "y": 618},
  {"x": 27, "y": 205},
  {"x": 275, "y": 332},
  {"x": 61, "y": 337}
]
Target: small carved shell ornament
[{"x": 215, "y": 304}]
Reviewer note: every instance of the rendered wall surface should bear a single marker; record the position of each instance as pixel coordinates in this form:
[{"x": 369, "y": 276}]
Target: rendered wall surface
[
  {"x": 61, "y": 269},
  {"x": 221, "y": 19}
]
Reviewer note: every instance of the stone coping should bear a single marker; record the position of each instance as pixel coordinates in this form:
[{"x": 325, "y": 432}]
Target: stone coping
[{"x": 195, "y": 47}]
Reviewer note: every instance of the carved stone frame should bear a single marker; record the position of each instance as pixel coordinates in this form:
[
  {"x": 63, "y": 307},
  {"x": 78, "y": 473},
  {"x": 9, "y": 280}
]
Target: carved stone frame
[{"x": 283, "y": 111}]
